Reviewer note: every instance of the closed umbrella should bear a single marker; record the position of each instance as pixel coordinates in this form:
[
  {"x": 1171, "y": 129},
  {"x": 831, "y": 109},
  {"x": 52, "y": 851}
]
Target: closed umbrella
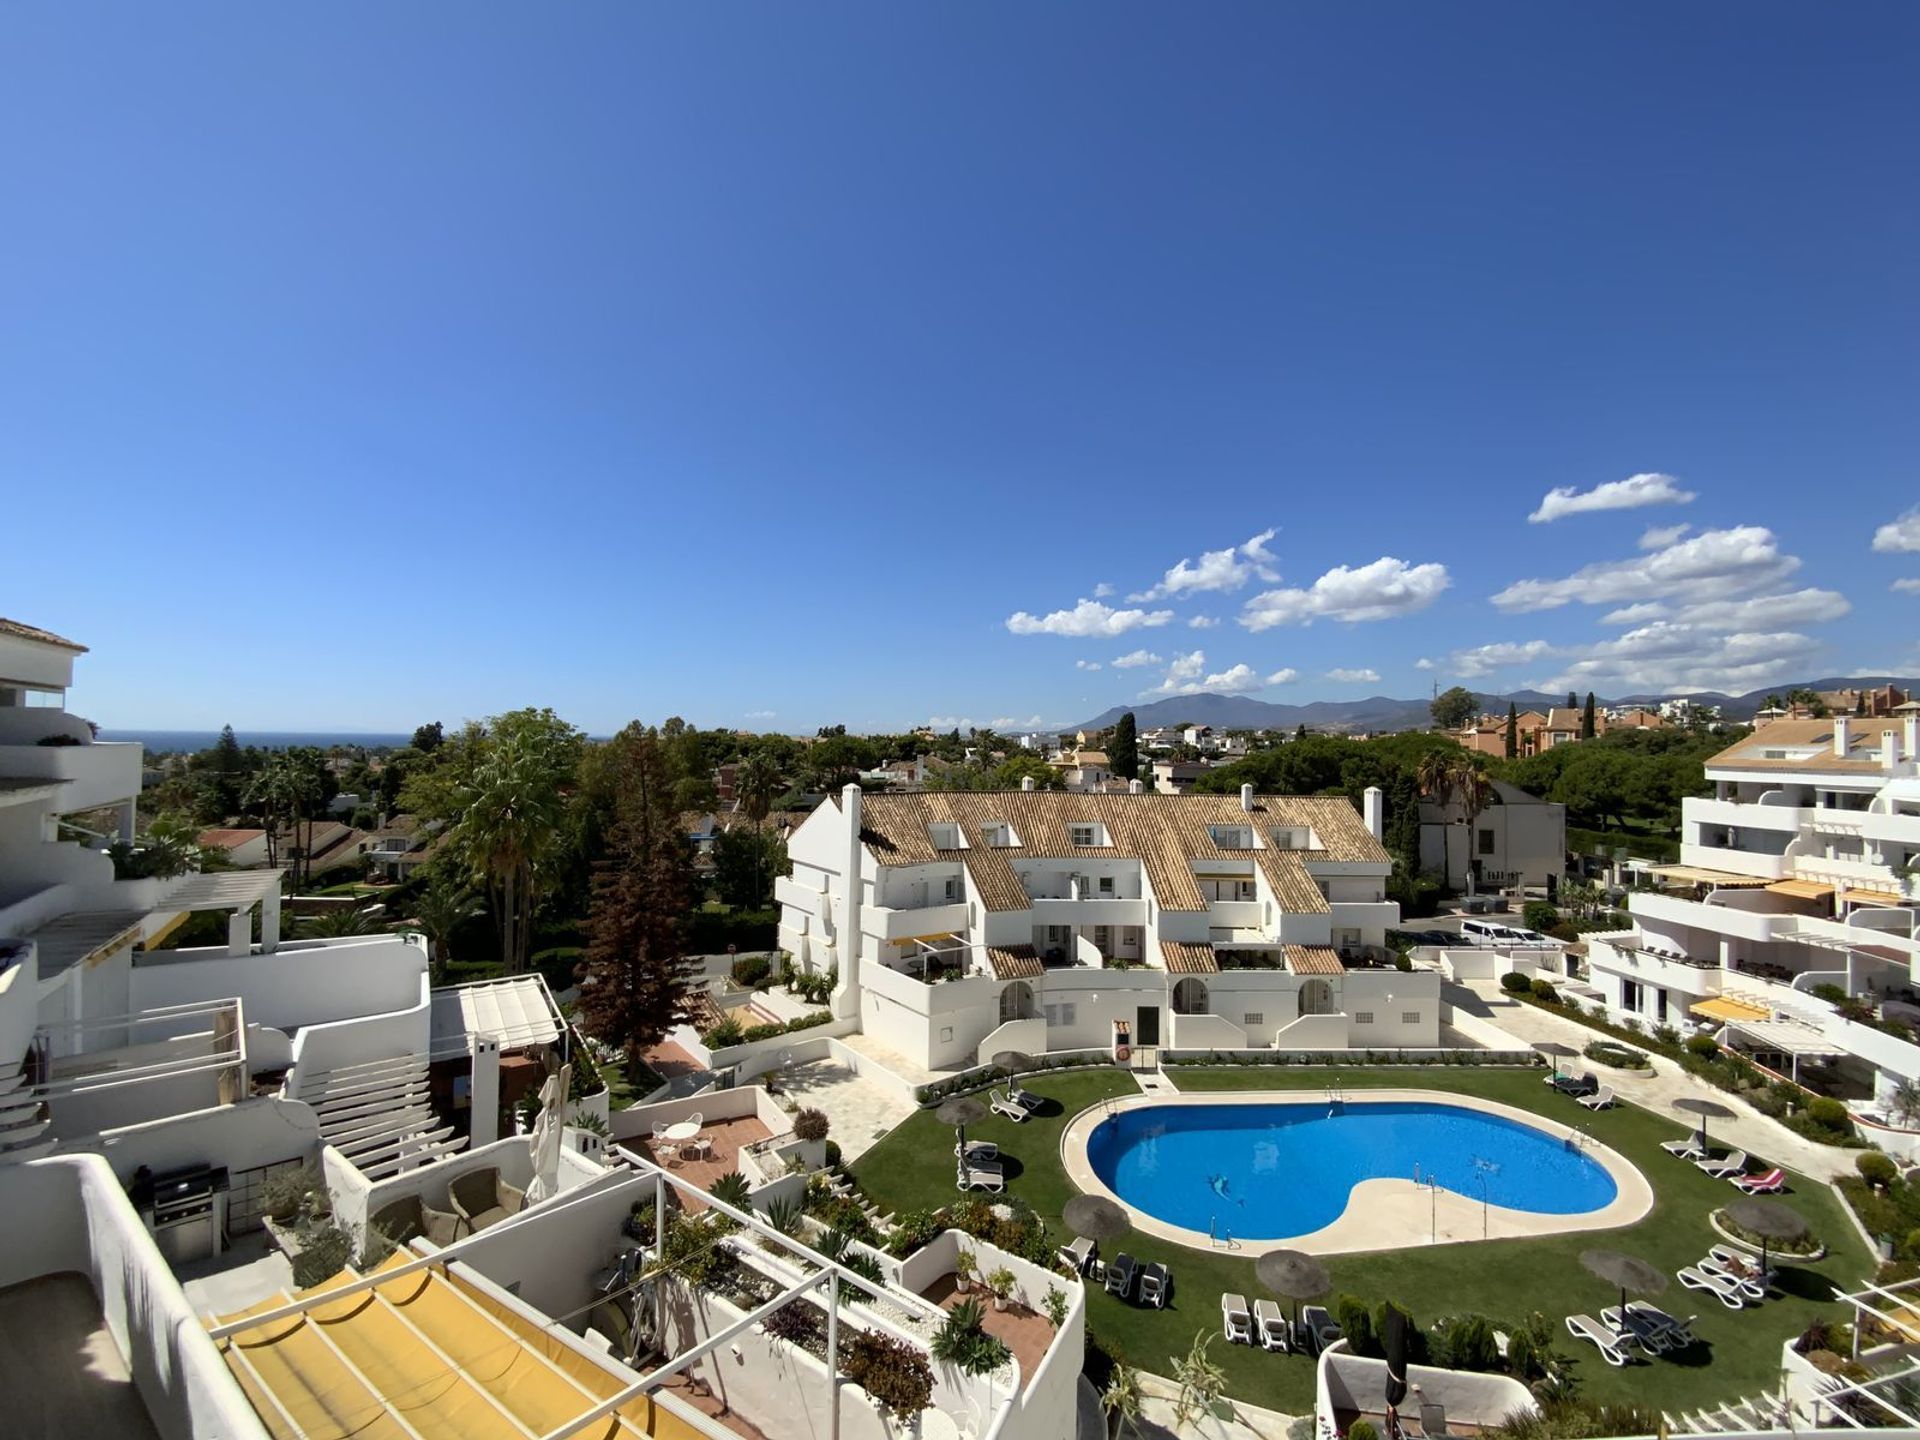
[
  {"x": 1293, "y": 1275},
  {"x": 960, "y": 1112},
  {"x": 1629, "y": 1272},
  {"x": 1394, "y": 1342},
  {"x": 1706, "y": 1110},
  {"x": 1768, "y": 1219},
  {"x": 547, "y": 1128}
]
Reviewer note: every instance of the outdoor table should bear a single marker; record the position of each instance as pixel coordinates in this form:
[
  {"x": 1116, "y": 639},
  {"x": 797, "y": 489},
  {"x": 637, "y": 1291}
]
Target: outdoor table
[{"x": 680, "y": 1132}]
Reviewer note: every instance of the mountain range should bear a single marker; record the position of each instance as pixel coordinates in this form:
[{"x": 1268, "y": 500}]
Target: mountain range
[{"x": 1383, "y": 712}]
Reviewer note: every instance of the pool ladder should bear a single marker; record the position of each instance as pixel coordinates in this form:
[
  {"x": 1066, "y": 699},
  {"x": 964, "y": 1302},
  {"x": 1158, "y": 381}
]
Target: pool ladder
[{"x": 1335, "y": 1097}]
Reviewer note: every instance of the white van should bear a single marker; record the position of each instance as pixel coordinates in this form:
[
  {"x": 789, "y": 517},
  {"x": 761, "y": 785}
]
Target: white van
[{"x": 1492, "y": 935}]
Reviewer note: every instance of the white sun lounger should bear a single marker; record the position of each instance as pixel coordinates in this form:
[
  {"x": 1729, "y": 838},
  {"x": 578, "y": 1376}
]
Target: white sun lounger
[
  {"x": 981, "y": 1177},
  {"x": 1723, "y": 1287},
  {"x": 1610, "y": 1343},
  {"x": 1752, "y": 1288},
  {"x": 1730, "y": 1164},
  {"x": 1271, "y": 1327},
  {"x": 1006, "y": 1105},
  {"x": 1077, "y": 1256},
  {"x": 1236, "y": 1322},
  {"x": 1687, "y": 1149},
  {"x": 1602, "y": 1099}
]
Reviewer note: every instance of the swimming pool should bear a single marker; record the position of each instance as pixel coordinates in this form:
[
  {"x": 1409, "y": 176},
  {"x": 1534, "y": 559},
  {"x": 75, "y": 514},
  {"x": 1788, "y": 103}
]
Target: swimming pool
[{"x": 1270, "y": 1171}]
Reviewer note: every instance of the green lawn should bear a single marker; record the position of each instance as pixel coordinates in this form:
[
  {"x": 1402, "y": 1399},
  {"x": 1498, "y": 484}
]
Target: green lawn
[{"x": 1503, "y": 1279}]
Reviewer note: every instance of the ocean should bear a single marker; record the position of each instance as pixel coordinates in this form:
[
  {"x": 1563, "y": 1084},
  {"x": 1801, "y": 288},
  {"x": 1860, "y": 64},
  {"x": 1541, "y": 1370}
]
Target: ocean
[{"x": 160, "y": 741}]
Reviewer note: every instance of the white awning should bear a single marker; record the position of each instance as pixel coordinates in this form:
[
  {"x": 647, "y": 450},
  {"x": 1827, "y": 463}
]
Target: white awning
[
  {"x": 219, "y": 890},
  {"x": 513, "y": 1012},
  {"x": 1786, "y": 1037}
]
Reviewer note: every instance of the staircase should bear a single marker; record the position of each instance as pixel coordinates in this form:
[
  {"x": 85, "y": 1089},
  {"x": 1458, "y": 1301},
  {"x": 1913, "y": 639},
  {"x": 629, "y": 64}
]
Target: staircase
[
  {"x": 378, "y": 1115},
  {"x": 1761, "y": 1412},
  {"x": 24, "y": 1119}
]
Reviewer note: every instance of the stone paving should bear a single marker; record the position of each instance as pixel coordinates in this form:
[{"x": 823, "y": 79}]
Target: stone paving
[
  {"x": 1656, "y": 1091},
  {"x": 860, "y": 1111}
]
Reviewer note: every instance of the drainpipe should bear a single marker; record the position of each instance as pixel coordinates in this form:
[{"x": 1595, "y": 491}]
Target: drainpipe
[{"x": 846, "y": 994}]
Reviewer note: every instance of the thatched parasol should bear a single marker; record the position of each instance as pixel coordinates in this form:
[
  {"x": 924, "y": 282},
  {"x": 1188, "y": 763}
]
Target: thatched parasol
[
  {"x": 1293, "y": 1275},
  {"x": 1768, "y": 1219},
  {"x": 1629, "y": 1272},
  {"x": 1094, "y": 1217},
  {"x": 960, "y": 1112},
  {"x": 1706, "y": 1110},
  {"x": 1012, "y": 1061}
]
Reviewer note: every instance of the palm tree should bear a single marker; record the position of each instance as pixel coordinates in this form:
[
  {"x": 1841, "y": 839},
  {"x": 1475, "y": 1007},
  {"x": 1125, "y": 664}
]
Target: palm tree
[
  {"x": 273, "y": 796},
  {"x": 1434, "y": 774},
  {"x": 439, "y": 911},
  {"x": 1121, "y": 1399},
  {"x": 342, "y": 921},
  {"x": 756, "y": 780},
  {"x": 512, "y": 826}
]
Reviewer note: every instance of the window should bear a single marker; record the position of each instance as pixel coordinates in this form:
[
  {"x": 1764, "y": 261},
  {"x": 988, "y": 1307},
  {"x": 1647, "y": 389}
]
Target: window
[
  {"x": 1363, "y": 1017},
  {"x": 1409, "y": 1017},
  {"x": 1061, "y": 1014},
  {"x": 953, "y": 888},
  {"x": 1106, "y": 884},
  {"x": 1190, "y": 997},
  {"x": 999, "y": 835},
  {"x": 1102, "y": 937},
  {"x": 1486, "y": 842},
  {"x": 1086, "y": 835},
  {"x": 944, "y": 836},
  {"x": 946, "y": 1033},
  {"x": 1231, "y": 837},
  {"x": 1253, "y": 1017}
]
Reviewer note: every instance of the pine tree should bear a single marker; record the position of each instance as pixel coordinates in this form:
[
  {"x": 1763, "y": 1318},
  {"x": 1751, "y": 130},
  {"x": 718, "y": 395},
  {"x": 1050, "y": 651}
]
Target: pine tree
[
  {"x": 1123, "y": 749},
  {"x": 1513, "y": 730},
  {"x": 1588, "y": 725},
  {"x": 634, "y": 988}
]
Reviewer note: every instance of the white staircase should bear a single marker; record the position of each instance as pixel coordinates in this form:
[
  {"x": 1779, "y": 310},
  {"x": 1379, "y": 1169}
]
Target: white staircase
[
  {"x": 24, "y": 1119},
  {"x": 379, "y": 1116}
]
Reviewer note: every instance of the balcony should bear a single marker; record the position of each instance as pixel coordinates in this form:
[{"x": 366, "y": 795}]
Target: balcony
[
  {"x": 1094, "y": 910},
  {"x": 101, "y": 773},
  {"x": 886, "y": 923},
  {"x": 1371, "y": 916},
  {"x": 1737, "y": 862},
  {"x": 1748, "y": 815}
]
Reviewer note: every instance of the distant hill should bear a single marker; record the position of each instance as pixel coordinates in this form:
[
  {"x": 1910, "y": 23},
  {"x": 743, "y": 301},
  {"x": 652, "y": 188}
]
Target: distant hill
[{"x": 1382, "y": 712}]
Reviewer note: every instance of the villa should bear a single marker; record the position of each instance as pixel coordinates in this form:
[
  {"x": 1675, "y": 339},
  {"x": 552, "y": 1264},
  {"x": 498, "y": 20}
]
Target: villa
[
  {"x": 1799, "y": 875},
  {"x": 961, "y": 925}
]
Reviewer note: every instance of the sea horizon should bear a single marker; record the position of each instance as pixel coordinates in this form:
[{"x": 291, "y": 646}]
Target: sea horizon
[{"x": 173, "y": 741}]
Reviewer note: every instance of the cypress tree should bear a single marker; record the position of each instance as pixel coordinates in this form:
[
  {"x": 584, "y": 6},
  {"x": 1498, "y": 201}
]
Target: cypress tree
[
  {"x": 1588, "y": 727},
  {"x": 1513, "y": 730},
  {"x": 1123, "y": 750}
]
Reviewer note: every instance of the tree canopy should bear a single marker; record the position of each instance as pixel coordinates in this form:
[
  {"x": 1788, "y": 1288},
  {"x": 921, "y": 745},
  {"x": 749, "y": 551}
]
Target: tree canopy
[{"x": 1453, "y": 708}]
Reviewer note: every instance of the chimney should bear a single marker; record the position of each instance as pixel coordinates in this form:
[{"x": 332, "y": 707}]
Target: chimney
[
  {"x": 1246, "y": 797},
  {"x": 1842, "y": 734},
  {"x": 1026, "y": 782},
  {"x": 1134, "y": 787},
  {"x": 1890, "y": 750},
  {"x": 1372, "y": 808},
  {"x": 1913, "y": 737}
]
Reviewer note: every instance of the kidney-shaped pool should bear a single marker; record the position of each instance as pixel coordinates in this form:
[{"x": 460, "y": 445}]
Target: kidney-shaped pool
[{"x": 1272, "y": 1171}]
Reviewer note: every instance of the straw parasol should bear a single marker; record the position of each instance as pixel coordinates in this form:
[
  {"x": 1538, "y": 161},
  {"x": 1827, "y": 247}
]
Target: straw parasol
[
  {"x": 1293, "y": 1275},
  {"x": 1012, "y": 1061},
  {"x": 1094, "y": 1217},
  {"x": 960, "y": 1112},
  {"x": 1768, "y": 1219},
  {"x": 1629, "y": 1272},
  {"x": 1706, "y": 1110}
]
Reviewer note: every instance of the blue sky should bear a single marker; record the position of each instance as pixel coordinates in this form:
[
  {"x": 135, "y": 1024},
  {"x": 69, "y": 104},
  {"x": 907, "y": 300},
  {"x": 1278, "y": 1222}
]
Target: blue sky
[{"x": 767, "y": 364}]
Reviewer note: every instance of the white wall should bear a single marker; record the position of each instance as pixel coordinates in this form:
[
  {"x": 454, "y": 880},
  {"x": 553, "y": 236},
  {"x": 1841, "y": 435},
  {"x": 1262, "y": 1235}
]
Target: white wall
[
  {"x": 355, "y": 1198},
  {"x": 318, "y": 1049},
  {"x": 301, "y": 983},
  {"x": 246, "y": 1136},
  {"x": 552, "y": 1266},
  {"x": 68, "y": 1214}
]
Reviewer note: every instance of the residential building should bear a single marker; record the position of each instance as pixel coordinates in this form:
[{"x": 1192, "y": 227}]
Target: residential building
[
  {"x": 1798, "y": 874},
  {"x": 331, "y": 844},
  {"x": 1633, "y": 717},
  {"x": 243, "y": 847},
  {"x": 1516, "y": 840},
  {"x": 1064, "y": 921},
  {"x": 1873, "y": 702},
  {"x": 1487, "y": 735},
  {"x": 1176, "y": 777},
  {"x": 1686, "y": 712},
  {"x": 399, "y": 847},
  {"x": 1085, "y": 771}
]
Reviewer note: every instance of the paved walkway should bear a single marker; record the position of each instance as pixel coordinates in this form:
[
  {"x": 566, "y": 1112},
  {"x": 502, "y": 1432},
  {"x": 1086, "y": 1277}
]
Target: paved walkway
[
  {"x": 1749, "y": 1130},
  {"x": 860, "y": 1111}
]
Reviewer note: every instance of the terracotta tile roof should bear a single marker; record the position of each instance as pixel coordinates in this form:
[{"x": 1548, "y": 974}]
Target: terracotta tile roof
[
  {"x": 1182, "y": 958},
  {"x": 1314, "y": 960},
  {"x": 1014, "y": 962},
  {"x": 227, "y": 839},
  {"x": 21, "y": 631},
  {"x": 1863, "y": 747},
  {"x": 1166, "y": 833}
]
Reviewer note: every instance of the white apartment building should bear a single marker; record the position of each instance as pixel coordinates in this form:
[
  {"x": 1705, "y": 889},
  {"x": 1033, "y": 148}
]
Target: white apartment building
[
  {"x": 961, "y": 925},
  {"x": 1801, "y": 869},
  {"x": 1516, "y": 839}
]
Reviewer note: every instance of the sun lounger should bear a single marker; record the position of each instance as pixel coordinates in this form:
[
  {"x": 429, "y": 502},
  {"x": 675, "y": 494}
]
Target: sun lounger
[
  {"x": 1753, "y": 1287},
  {"x": 1236, "y": 1322},
  {"x": 1679, "y": 1333},
  {"x": 981, "y": 1177},
  {"x": 1727, "y": 1166},
  {"x": 1771, "y": 1183},
  {"x": 979, "y": 1150},
  {"x": 1271, "y": 1327},
  {"x": 1687, "y": 1149},
  {"x": 1321, "y": 1331},
  {"x": 1739, "y": 1264},
  {"x": 1648, "y": 1327},
  {"x": 1601, "y": 1099},
  {"x": 1077, "y": 1256},
  {"x": 1156, "y": 1284},
  {"x": 1120, "y": 1275},
  {"x": 1577, "y": 1085},
  {"x": 1006, "y": 1105},
  {"x": 1722, "y": 1287},
  {"x": 1610, "y": 1343}
]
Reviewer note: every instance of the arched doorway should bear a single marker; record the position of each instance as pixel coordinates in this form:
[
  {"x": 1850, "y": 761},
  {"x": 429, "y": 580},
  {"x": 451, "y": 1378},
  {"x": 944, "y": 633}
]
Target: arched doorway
[
  {"x": 1016, "y": 1002},
  {"x": 1190, "y": 997},
  {"x": 1316, "y": 998}
]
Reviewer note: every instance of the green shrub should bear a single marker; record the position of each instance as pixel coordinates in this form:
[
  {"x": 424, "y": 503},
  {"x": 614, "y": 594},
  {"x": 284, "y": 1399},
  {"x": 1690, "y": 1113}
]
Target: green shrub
[
  {"x": 1470, "y": 1343},
  {"x": 1541, "y": 915},
  {"x": 1363, "y": 1430},
  {"x": 1514, "y": 983},
  {"x": 810, "y": 1124},
  {"x": 325, "y": 1250},
  {"x": 731, "y": 1189},
  {"x": 1705, "y": 1046},
  {"x": 1566, "y": 932},
  {"x": 751, "y": 970},
  {"x": 1876, "y": 1169},
  {"x": 1056, "y": 1306},
  {"x": 962, "y": 1341},
  {"x": 912, "y": 1231},
  {"x": 1544, "y": 990},
  {"x": 726, "y": 1033},
  {"x": 761, "y": 1032},
  {"x": 893, "y": 1372},
  {"x": 1832, "y": 994},
  {"x": 1523, "y": 1357},
  {"x": 1829, "y": 1114},
  {"x": 1350, "y": 1313}
]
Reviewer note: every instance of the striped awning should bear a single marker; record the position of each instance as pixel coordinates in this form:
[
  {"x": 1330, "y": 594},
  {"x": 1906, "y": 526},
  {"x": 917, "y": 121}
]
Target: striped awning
[
  {"x": 1801, "y": 889},
  {"x": 1725, "y": 1007},
  {"x": 1696, "y": 875},
  {"x": 1873, "y": 897},
  {"x": 924, "y": 939}
]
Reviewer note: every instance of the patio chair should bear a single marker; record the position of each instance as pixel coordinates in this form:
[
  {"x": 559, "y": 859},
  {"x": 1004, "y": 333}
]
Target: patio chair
[
  {"x": 981, "y": 1177},
  {"x": 1771, "y": 1183},
  {"x": 1236, "y": 1322},
  {"x": 665, "y": 1150},
  {"x": 1727, "y": 1166},
  {"x": 1006, "y": 1105},
  {"x": 408, "y": 1217},
  {"x": 1319, "y": 1327},
  {"x": 1271, "y": 1326},
  {"x": 1077, "y": 1256},
  {"x": 1722, "y": 1287},
  {"x": 1156, "y": 1284},
  {"x": 1687, "y": 1149},
  {"x": 1651, "y": 1334},
  {"x": 1611, "y": 1344},
  {"x": 1601, "y": 1099},
  {"x": 1120, "y": 1275},
  {"x": 1753, "y": 1286},
  {"x": 482, "y": 1198},
  {"x": 696, "y": 1118}
]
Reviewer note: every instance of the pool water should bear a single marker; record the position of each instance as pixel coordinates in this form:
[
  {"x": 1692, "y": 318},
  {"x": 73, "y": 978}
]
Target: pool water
[{"x": 1269, "y": 1172}]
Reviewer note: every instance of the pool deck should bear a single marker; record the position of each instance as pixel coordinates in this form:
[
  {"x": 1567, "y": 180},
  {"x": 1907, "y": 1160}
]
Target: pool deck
[{"x": 1382, "y": 1213}]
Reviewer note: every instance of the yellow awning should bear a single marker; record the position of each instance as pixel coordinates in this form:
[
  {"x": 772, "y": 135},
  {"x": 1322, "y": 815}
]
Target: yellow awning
[
  {"x": 923, "y": 939},
  {"x": 1694, "y": 875},
  {"x": 1872, "y": 897},
  {"x": 1801, "y": 889},
  {"x": 1724, "y": 1008}
]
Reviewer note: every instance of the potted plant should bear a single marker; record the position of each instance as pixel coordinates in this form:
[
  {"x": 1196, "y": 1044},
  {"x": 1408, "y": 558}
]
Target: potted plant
[
  {"x": 1001, "y": 1283},
  {"x": 965, "y": 1268}
]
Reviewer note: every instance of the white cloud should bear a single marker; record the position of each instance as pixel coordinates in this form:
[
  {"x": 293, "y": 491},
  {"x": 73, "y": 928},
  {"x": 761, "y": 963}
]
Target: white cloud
[
  {"x": 1628, "y": 494},
  {"x": 1674, "y": 656},
  {"x": 1710, "y": 564},
  {"x": 1089, "y": 618},
  {"x": 1782, "y": 610},
  {"x": 1283, "y": 677},
  {"x": 1086, "y": 664},
  {"x": 758, "y": 715},
  {"x": 1900, "y": 536},
  {"x": 1908, "y": 586},
  {"x": 1135, "y": 658},
  {"x": 1226, "y": 569},
  {"x": 949, "y": 722},
  {"x": 1380, "y": 591},
  {"x": 1102, "y": 590},
  {"x": 1485, "y": 659},
  {"x": 1423, "y": 663},
  {"x": 1203, "y": 622},
  {"x": 1354, "y": 677},
  {"x": 1637, "y": 614},
  {"x": 1014, "y": 722},
  {"x": 1186, "y": 675},
  {"x": 1659, "y": 537}
]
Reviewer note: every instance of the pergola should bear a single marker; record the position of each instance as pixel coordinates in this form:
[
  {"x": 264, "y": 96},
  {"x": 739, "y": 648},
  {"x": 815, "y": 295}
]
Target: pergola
[{"x": 235, "y": 891}]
